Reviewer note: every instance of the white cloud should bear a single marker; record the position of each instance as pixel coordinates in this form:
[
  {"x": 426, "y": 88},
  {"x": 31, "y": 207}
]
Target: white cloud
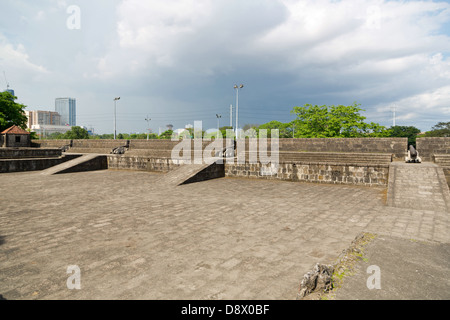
[
  {"x": 288, "y": 52},
  {"x": 16, "y": 57}
]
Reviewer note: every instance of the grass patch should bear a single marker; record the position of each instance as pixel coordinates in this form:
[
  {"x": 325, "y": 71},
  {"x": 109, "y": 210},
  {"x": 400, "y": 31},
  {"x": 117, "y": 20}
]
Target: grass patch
[{"x": 345, "y": 266}]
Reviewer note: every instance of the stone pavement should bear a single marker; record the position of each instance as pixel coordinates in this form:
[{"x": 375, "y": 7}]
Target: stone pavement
[
  {"x": 408, "y": 270},
  {"x": 134, "y": 238},
  {"x": 418, "y": 186}
]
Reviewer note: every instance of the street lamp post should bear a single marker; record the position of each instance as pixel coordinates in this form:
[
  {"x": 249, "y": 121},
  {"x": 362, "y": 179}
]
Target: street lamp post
[
  {"x": 237, "y": 105},
  {"x": 218, "y": 116},
  {"x": 148, "y": 126},
  {"x": 115, "y": 100}
]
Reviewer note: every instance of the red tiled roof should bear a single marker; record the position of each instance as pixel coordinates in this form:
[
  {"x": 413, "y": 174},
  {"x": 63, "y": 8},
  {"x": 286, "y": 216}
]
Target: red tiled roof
[{"x": 15, "y": 130}]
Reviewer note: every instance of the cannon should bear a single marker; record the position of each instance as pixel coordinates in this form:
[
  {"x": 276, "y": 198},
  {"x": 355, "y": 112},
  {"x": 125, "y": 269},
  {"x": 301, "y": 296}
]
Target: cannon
[
  {"x": 65, "y": 148},
  {"x": 413, "y": 156},
  {"x": 119, "y": 150}
]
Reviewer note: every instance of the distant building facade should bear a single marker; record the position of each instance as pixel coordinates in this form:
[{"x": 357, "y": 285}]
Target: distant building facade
[
  {"x": 67, "y": 108},
  {"x": 44, "y": 131},
  {"x": 43, "y": 118},
  {"x": 45, "y": 123}
]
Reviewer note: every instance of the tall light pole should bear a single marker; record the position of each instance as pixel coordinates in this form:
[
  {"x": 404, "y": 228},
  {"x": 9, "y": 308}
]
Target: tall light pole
[
  {"x": 231, "y": 116},
  {"x": 148, "y": 125},
  {"x": 115, "y": 99},
  {"x": 218, "y": 116},
  {"x": 237, "y": 106}
]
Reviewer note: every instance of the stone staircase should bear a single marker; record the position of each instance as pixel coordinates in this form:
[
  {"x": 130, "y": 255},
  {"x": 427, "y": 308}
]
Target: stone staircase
[
  {"x": 442, "y": 159},
  {"x": 90, "y": 150},
  {"x": 158, "y": 153},
  {"x": 329, "y": 157}
]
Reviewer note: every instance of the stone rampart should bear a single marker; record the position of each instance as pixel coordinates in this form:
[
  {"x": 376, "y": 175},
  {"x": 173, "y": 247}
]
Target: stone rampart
[
  {"x": 427, "y": 147},
  {"x": 20, "y": 153},
  {"x": 396, "y": 146},
  {"x": 98, "y": 143},
  {"x": 139, "y": 163},
  {"x": 334, "y": 173},
  {"x": 32, "y": 164},
  {"x": 50, "y": 143}
]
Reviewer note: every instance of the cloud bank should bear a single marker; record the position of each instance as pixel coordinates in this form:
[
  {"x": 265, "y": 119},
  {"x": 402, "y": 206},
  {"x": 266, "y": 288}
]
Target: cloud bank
[{"x": 178, "y": 60}]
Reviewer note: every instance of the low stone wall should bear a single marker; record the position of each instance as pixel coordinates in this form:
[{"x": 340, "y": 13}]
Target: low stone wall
[
  {"x": 90, "y": 150},
  {"x": 136, "y": 163},
  {"x": 165, "y": 144},
  {"x": 20, "y": 153},
  {"x": 396, "y": 146},
  {"x": 19, "y": 165},
  {"x": 335, "y": 173},
  {"x": 427, "y": 147},
  {"x": 341, "y": 157},
  {"x": 50, "y": 143}
]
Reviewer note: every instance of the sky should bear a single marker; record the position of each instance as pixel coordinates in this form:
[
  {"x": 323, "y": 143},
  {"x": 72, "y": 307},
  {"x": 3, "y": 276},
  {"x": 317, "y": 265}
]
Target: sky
[{"x": 177, "y": 61}]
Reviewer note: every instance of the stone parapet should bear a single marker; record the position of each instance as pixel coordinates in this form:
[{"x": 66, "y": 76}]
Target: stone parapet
[
  {"x": 21, "y": 153},
  {"x": 335, "y": 173},
  {"x": 427, "y": 147}
]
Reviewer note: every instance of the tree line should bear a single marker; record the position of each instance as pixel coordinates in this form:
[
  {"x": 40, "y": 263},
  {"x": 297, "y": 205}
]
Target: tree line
[{"x": 311, "y": 121}]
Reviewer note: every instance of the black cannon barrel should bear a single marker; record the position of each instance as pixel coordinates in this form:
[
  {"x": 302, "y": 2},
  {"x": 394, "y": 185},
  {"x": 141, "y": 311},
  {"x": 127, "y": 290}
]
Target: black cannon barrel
[{"x": 412, "y": 152}]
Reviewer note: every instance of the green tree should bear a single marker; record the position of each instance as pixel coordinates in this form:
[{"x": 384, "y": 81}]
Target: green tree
[
  {"x": 33, "y": 135},
  {"x": 441, "y": 129},
  {"x": 76, "y": 133},
  {"x": 284, "y": 129},
  {"x": 333, "y": 122},
  {"x": 249, "y": 125},
  {"x": 55, "y": 136},
  {"x": 409, "y": 132},
  {"x": 106, "y": 136},
  {"x": 166, "y": 134},
  {"x": 11, "y": 112},
  {"x": 375, "y": 130}
]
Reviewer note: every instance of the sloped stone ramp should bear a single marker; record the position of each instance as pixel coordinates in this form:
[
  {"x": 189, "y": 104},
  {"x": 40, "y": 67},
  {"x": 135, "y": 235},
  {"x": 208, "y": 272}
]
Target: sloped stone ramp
[
  {"x": 420, "y": 186},
  {"x": 189, "y": 173},
  {"x": 88, "y": 162}
]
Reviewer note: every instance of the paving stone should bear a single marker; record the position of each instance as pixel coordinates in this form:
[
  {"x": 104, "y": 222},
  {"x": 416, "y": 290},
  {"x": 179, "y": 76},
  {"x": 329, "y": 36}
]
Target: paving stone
[{"x": 134, "y": 237}]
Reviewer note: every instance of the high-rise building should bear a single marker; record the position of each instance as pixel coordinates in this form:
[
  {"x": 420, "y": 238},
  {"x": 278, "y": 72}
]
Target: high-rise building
[
  {"x": 66, "y": 107},
  {"x": 43, "y": 118},
  {"x": 45, "y": 123}
]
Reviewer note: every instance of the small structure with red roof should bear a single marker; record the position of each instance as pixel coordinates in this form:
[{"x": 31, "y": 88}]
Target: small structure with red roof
[{"x": 15, "y": 137}]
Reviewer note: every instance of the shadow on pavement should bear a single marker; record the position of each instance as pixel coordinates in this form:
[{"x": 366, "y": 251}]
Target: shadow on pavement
[{"x": 2, "y": 241}]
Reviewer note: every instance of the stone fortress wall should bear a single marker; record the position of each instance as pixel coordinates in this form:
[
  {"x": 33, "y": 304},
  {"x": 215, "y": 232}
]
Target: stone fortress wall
[
  {"x": 361, "y": 161},
  {"x": 437, "y": 150}
]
